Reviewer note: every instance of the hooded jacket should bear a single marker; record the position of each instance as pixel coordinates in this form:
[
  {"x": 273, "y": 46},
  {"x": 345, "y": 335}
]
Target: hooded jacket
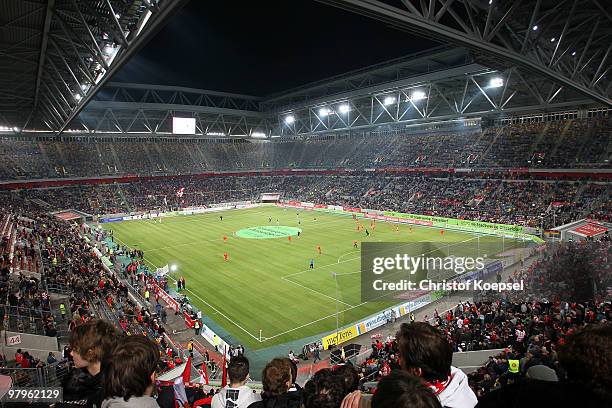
[
  {"x": 242, "y": 397},
  {"x": 457, "y": 393},
  {"x": 134, "y": 402}
]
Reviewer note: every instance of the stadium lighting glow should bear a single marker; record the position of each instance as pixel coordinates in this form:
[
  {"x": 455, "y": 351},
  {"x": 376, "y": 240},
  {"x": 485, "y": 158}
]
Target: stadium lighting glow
[
  {"x": 389, "y": 100},
  {"x": 15, "y": 129},
  {"x": 344, "y": 108},
  {"x": 289, "y": 119},
  {"x": 323, "y": 111},
  {"x": 108, "y": 49},
  {"x": 496, "y": 82},
  {"x": 258, "y": 134},
  {"x": 553, "y": 39},
  {"x": 418, "y": 95},
  {"x": 534, "y": 28},
  {"x": 77, "y": 97},
  {"x": 173, "y": 268},
  {"x": 215, "y": 134},
  {"x": 573, "y": 53}
]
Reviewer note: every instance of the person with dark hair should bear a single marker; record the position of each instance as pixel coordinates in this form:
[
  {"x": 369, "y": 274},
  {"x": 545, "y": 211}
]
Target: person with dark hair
[
  {"x": 91, "y": 344},
  {"x": 426, "y": 353},
  {"x": 237, "y": 394},
  {"x": 349, "y": 376},
  {"x": 402, "y": 390},
  {"x": 277, "y": 381},
  {"x": 323, "y": 390},
  {"x": 129, "y": 377},
  {"x": 585, "y": 357}
]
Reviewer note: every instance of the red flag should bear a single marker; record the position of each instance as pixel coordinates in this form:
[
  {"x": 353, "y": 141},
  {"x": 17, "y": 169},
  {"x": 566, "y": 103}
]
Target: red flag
[
  {"x": 224, "y": 376},
  {"x": 187, "y": 372}
]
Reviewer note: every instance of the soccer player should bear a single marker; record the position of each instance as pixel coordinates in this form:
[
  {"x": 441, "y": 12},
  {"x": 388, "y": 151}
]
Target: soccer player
[
  {"x": 269, "y": 219},
  {"x": 311, "y": 263},
  {"x": 354, "y": 243},
  {"x": 319, "y": 249},
  {"x": 225, "y": 238},
  {"x": 225, "y": 256},
  {"x": 367, "y": 232},
  {"x": 289, "y": 238},
  {"x": 221, "y": 217}
]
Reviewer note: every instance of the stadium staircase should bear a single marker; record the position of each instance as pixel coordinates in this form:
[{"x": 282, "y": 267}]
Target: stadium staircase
[
  {"x": 560, "y": 139},
  {"x": 44, "y": 155},
  {"x": 118, "y": 165},
  {"x": 203, "y": 158}
]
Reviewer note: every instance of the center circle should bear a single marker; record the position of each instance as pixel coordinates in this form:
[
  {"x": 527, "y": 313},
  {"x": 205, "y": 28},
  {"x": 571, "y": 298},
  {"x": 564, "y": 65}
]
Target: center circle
[{"x": 268, "y": 232}]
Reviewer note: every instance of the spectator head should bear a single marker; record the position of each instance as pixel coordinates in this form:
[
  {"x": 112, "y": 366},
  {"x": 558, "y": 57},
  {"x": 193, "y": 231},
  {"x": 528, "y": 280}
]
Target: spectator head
[
  {"x": 424, "y": 351},
  {"x": 91, "y": 344},
  {"x": 238, "y": 370},
  {"x": 323, "y": 390},
  {"x": 277, "y": 377},
  {"x": 349, "y": 377},
  {"x": 586, "y": 358},
  {"x": 403, "y": 390},
  {"x": 131, "y": 371}
]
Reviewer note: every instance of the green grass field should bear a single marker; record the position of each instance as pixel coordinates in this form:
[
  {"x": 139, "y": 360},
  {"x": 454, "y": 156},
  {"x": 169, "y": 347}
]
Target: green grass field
[{"x": 267, "y": 284}]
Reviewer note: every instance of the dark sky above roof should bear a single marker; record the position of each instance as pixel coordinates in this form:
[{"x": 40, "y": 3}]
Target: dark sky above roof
[{"x": 241, "y": 46}]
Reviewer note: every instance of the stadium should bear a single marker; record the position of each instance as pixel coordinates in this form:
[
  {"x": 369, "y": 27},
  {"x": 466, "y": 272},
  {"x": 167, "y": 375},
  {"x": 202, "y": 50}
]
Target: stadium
[{"x": 315, "y": 203}]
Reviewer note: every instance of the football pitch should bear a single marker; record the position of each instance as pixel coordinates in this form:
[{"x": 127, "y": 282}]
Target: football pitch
[{"x": 267, "y": 283}]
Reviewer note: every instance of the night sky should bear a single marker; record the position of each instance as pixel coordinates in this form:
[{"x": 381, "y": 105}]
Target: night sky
[{"x": 240, "y": 46}]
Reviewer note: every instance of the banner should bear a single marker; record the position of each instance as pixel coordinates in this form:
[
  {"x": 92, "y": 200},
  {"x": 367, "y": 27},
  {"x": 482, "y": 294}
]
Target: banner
[
  {"x": 342, "y": 336},
  {"x": 162, "y": 271}
]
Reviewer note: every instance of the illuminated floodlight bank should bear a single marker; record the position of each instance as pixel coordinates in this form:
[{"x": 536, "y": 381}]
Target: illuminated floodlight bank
[
  {"x": 289, "y": 119},
  {"x": 323, "y": 112},
  {"x": 344, "y": 108},
  {"x": 389, "y": 100},
  {"x": 496, "y": 82},
  {"x": 418, "y": 95}
]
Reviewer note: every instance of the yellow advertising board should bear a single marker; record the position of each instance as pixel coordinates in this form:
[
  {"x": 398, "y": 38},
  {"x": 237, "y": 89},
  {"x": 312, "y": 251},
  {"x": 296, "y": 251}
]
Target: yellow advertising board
[{"x": 343, "y": 336}]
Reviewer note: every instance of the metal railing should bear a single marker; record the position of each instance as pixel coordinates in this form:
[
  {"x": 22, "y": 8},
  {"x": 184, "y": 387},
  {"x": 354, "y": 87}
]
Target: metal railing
[{"x": 50, "y": 375}]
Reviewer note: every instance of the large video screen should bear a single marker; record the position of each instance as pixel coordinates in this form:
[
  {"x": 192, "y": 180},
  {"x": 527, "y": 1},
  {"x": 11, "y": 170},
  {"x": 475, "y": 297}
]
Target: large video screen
[{"x": 183, "y": 126}]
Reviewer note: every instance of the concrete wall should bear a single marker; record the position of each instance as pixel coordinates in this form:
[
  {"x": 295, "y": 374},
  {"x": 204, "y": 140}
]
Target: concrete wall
[{"x": 38, "y": 346}]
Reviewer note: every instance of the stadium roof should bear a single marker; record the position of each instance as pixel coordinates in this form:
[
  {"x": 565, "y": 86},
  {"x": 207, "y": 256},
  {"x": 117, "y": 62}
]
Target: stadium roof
[
  {"x": 542, "y": 54},
  {"x": 56, "y": 54}
]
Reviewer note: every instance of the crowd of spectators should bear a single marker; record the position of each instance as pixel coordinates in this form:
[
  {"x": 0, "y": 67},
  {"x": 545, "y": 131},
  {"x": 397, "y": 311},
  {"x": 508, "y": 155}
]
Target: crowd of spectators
[
  {"x": 562, "y": 144},
  {"x": 533, "y": 203}
]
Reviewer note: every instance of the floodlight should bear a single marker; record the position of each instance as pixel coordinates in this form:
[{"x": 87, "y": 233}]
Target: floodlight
[
  {"x": 418, "y": 95},
  {"x": 344, "y": 108},
  {"x": 77, "y": 97},
  {"x": 534, "y": 28},
  {"x": 289, "y": 119},
  {"x": 573, "y": 53},
  {"x": 258, "y": 134},
  {"x": 323, "y": 111},
  {"x": 552, "y": 39},
  {"x": 389, "y": 100},
  {"x": 496, "y": 82}
]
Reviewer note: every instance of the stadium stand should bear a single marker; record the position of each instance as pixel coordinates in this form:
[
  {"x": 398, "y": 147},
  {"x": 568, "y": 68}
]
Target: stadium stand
[{"x": 580, "y": 143}]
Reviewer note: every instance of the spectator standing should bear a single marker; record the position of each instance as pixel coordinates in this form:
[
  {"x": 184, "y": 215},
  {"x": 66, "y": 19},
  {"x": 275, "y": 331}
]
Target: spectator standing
[{"x": 237, "y": 394}]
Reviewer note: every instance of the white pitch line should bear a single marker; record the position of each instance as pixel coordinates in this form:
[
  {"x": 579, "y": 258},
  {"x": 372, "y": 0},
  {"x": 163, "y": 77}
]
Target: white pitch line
[
  {"x": 346, "y": 260},
  {"x": 205, "y": 302},
  {"x": 316, "y": 291},
  {"x": 201, "y": 241}
]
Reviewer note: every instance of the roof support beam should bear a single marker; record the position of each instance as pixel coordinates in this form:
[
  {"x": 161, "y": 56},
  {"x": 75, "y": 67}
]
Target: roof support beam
[{"x": 407, "y": 21}]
